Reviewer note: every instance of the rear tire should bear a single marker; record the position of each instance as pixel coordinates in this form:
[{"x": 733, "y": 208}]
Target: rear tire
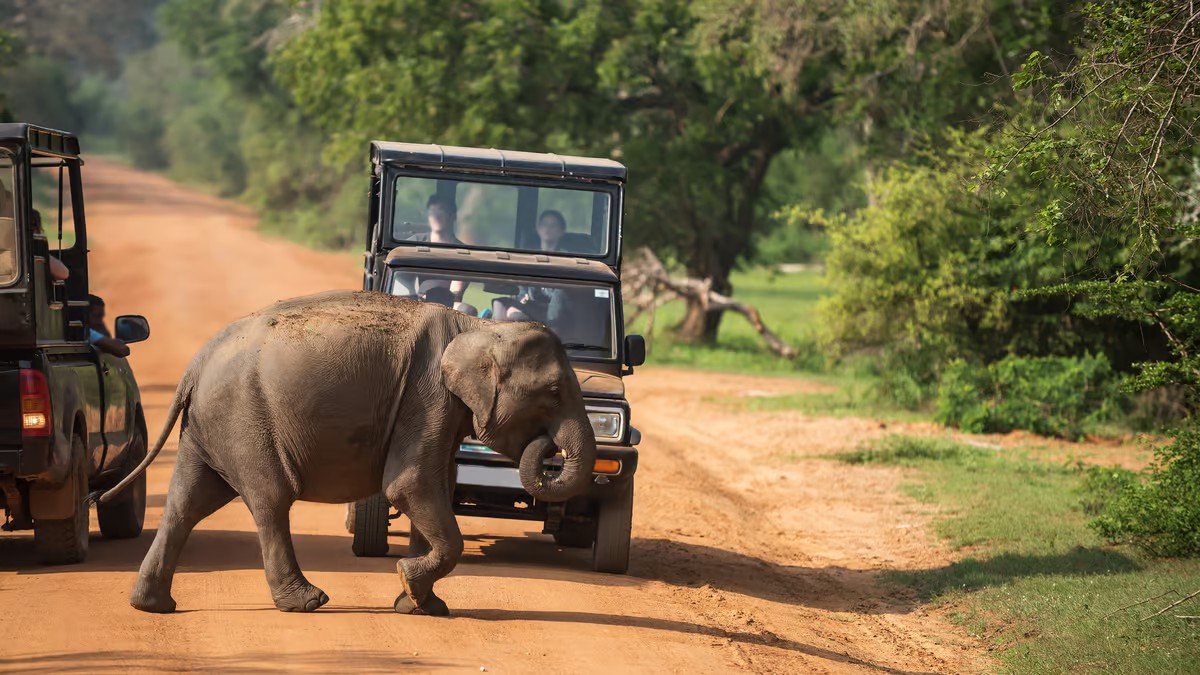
[
  {"x": 65, "y": 542},
  {"x": 370, "y": 517},
  {"x": 123, "y": 517},
  {"x": 613, "y": 526}
]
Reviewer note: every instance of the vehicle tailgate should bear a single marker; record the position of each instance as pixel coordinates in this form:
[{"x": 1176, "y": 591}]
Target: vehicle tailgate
[{"x": 10, "y": 416}]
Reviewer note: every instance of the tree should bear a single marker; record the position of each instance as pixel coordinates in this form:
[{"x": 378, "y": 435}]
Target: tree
[{"x": 7, "y": 59}]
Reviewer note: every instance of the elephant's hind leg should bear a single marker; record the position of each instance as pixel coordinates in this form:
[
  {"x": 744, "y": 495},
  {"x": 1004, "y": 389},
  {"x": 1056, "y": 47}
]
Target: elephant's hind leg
[
  {"x": 289, "y": 589},
  {"x": 196, "y": 491}
]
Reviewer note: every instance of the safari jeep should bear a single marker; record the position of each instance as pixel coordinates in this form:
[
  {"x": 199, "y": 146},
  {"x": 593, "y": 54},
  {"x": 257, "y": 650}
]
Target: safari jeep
[
  {"x": 70, "y": 417},
  {"x": 516, "y": 236}
]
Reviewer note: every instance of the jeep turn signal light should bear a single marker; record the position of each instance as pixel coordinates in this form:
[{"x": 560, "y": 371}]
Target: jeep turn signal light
[
  {"x": 35, "y": 404},
  {"x": 609, "y": 466}
]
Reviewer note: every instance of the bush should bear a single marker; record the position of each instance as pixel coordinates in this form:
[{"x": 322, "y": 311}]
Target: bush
[
  {"x": 1160, "y": 512},
  {"x": 1052, "y": 396}
]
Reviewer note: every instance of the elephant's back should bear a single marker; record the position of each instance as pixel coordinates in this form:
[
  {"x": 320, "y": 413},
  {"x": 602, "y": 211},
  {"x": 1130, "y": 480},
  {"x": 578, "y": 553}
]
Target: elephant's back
[{"x": 353, "y": 312}]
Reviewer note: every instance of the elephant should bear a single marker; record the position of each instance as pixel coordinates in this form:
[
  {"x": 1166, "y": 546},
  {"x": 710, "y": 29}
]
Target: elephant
[{"x": 333, "y": 397}]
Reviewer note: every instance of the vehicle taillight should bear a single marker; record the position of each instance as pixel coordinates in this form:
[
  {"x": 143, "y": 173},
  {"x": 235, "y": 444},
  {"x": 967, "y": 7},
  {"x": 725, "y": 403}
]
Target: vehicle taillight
[{"x": 35, "y": 404}]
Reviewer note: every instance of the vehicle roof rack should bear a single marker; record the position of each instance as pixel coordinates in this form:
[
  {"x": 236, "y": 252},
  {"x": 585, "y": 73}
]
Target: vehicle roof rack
[
  {"x": 491, "y": 160},
  {"x": 41, "y": 139}
]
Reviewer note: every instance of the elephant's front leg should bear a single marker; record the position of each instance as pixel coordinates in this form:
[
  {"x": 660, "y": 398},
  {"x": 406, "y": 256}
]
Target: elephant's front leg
[
  {"x": 430, "y": 513},
  {"x": 289, "y": 589}
]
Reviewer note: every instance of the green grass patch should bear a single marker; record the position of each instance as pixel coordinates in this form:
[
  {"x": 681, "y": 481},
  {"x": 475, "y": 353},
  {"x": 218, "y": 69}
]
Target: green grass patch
[
  {"x": 854, "y": 396},
  {"x": 1037, "y": 582},
  {"x": 788, "y": 306}
]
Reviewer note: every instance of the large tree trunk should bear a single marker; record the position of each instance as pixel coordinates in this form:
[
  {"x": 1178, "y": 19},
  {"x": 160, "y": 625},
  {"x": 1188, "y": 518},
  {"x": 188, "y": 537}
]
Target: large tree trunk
[{"x": 701, "y": 321}]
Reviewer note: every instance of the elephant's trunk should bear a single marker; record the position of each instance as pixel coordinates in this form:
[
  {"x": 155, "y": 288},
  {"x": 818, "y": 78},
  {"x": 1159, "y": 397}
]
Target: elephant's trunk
[{"x": 576, "y": 438}]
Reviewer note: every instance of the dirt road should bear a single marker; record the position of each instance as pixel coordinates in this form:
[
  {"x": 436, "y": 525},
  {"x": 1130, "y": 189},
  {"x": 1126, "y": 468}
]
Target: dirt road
[{"x": 745, "y": 557}]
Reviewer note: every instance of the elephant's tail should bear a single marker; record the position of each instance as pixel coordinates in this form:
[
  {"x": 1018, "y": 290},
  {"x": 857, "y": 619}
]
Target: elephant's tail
[{"x": 182, "y": 394}]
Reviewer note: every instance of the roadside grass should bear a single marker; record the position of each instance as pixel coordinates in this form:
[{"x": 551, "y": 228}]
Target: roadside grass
[
  {"x": 852, "y": 395},
  {"x": 1036, "y": 582},
  {"x": 788, "y": 306}
]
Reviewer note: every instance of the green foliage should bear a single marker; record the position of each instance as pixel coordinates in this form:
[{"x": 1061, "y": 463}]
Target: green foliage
[
  {"x": 8, "y": 50},
  {"x": 1159, "y": 511},
  {"x": 1053, "y": 396},
  {"x": 925, "y": 275}
]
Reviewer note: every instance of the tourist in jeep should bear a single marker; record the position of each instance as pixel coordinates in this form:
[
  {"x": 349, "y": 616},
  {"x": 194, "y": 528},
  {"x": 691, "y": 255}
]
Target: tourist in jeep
[
  {"x": 442, "y": 214},
  {"x": 534, "y": 303},
  {"x": 98, "y": 333}
]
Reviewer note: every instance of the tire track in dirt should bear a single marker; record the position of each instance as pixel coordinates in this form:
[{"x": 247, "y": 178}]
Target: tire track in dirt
[{"x": 743, "y": 559}]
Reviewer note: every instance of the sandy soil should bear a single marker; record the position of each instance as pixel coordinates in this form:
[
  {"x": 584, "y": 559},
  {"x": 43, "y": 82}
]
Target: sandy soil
[{"x": 749, "y": 552}]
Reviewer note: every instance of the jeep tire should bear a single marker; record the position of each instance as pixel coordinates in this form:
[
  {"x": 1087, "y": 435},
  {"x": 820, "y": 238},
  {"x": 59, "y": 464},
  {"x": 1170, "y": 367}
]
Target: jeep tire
[
  {"x": 370, "y": 519},
  {"x": 65, "y": 542},
  {"x": 613, "y": 525},
  {"x": 123, "y": 517}
]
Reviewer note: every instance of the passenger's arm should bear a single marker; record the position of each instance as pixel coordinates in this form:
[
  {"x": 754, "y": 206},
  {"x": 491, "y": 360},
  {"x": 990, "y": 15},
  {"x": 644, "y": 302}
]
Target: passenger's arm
[
  {"x": 458, "y": 288},
  {"x": 112, "y": 346},
  {"x": 58, "y": 270}
]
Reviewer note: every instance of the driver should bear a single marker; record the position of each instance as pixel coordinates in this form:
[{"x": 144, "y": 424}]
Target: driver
[{"x": 97, "y": 332}]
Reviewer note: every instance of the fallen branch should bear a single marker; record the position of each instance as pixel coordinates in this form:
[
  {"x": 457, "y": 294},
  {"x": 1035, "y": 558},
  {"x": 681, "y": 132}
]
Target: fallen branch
[
  {"x": 1173, "y": 605},
  {"x": 651, "y": 286},
  {"x": 1140, "y": 602}
]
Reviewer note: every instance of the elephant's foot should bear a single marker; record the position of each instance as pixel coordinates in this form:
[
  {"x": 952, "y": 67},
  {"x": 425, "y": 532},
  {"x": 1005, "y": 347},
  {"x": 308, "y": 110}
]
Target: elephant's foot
[
  {"x": 433, "y": 606},
  {"x": 303, "y": 598},
  {"x": 148, "y": 599}
]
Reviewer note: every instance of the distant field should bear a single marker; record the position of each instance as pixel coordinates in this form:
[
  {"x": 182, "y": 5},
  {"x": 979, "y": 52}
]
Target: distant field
[{"x": 788, "y": 305}]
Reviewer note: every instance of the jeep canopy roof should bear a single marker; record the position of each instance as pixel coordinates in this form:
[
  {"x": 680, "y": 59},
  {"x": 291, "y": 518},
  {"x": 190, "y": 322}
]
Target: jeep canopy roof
[
  {"x": 490, "y": 160},
  {"x": 41, "y": 139}
]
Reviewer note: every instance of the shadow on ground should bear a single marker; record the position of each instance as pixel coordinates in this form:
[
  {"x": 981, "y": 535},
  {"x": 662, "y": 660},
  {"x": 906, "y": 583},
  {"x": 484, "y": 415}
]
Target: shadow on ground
[
  {"x": 677, "y": 563},
  {"x": 972, "y": 574},
  {"x": 343, "y": 660}
]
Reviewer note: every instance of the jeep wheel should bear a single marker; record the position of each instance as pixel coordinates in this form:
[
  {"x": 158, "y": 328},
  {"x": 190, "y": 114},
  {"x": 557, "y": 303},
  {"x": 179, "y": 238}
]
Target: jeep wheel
[
  {"x": 370, "y": 526},
  {"x": 123, "y": 517},
  {"x": 578, "y": 534},
  {"x": 65, "y": 542},
  {"x": 613, "y": 525}
]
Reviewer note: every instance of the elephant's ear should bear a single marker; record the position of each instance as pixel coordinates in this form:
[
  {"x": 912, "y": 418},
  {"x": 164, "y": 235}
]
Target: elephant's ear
[{"x": 471, "y": 373}]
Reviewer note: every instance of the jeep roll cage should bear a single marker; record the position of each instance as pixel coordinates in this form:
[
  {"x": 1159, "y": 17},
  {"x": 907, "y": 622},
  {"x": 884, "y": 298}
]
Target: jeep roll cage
[{"x": 527, "y": 172}]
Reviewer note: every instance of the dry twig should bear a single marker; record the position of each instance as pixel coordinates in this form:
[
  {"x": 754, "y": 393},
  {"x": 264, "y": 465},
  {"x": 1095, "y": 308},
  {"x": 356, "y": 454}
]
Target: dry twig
[
  {"x": 1139, "y": 602},
  {"x": 650, "y": 285},
  {"x": 1172, "y": 605}
]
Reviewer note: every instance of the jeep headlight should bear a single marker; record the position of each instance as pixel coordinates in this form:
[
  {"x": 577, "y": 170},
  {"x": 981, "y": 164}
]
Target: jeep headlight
[{"x": 605, "y": 424}]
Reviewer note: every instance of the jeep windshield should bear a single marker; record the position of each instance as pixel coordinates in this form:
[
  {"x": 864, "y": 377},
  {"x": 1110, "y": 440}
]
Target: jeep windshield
[
  {"x": 475, "y": 212},
  {"x": 8, "y": 224},
  {"x": 582, "y": 315}
]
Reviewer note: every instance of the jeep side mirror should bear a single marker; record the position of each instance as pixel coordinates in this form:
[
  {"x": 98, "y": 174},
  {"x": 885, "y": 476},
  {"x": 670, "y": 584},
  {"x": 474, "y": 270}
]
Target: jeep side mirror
[
  {"x": 635, "y": 350},
  {"x": 131, "y": 328}
]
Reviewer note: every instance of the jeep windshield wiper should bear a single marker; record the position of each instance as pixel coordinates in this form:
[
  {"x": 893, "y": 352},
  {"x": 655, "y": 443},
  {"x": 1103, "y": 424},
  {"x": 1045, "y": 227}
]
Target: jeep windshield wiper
[{"x": 583, "y": 347}]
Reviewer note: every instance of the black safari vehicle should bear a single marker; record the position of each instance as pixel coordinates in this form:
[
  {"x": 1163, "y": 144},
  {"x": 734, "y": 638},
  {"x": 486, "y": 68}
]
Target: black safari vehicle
[
  {"x": 70, "y": 417},
  {"x": 516, "y": 236}
]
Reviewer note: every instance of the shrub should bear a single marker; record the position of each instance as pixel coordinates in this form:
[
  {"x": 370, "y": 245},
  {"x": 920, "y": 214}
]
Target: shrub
[
  {"x": 1160, "y": 512},
  {"x": 1053, "y": 396}
]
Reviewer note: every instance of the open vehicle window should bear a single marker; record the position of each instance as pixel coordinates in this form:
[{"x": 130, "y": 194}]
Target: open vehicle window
[
  {"x": 52, "y": 182},
  {"x": 9, "y": 260},
  {"x": 582, "y": 315},
  {"x": 475, "y": 213}
]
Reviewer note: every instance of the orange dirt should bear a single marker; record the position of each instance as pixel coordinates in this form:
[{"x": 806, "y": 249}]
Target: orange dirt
[{"x": 748, "y": 554}]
